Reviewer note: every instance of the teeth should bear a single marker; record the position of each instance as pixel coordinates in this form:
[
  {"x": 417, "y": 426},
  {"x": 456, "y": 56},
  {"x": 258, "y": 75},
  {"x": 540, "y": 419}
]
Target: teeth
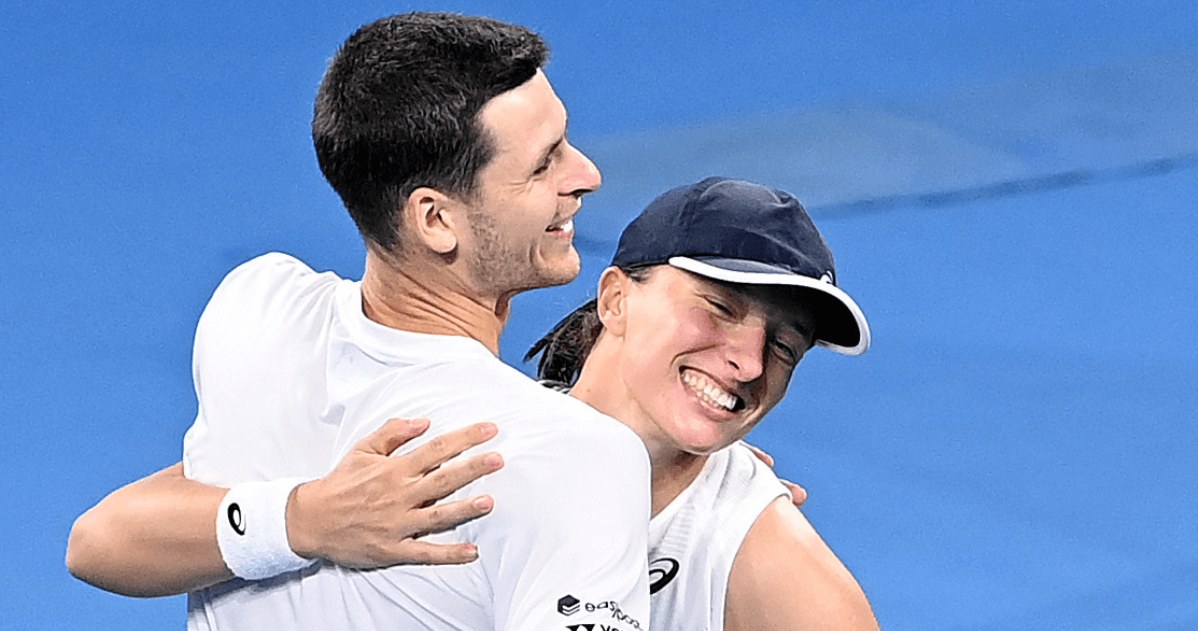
[
  {"x": 708, "y": 391},
  {"x": 565, "y": 226}
]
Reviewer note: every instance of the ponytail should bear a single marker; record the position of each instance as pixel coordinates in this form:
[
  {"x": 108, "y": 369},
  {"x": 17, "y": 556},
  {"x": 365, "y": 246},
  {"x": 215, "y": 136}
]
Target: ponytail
[{"x": 566, "y": 346}]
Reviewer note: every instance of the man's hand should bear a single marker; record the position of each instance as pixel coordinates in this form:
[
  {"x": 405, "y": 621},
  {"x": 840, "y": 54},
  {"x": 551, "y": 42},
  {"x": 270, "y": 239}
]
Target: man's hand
[
  {"x": 372, "y": 509},
  {"x": 798, "y": 494}
]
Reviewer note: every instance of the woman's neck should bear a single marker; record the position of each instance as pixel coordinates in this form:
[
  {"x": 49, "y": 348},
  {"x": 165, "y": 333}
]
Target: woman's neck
[{"x": 672, "y": 476}]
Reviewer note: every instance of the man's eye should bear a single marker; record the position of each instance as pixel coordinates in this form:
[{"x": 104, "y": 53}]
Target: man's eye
[{"x": 549, "y": 160}]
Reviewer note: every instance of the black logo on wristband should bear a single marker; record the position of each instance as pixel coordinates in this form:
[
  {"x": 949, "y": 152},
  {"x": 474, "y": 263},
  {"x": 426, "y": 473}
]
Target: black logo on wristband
[{"x": 235, "y": 519}]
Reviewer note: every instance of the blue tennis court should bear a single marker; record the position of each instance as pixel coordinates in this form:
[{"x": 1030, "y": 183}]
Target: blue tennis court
[{"x": 1009, "y": 190}]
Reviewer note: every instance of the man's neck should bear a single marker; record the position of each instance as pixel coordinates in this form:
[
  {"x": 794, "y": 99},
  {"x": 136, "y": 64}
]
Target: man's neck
[{"x": 412, "y": 295}]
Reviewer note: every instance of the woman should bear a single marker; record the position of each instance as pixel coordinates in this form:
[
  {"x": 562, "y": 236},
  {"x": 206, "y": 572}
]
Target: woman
[{"x": 715, "y": 293}]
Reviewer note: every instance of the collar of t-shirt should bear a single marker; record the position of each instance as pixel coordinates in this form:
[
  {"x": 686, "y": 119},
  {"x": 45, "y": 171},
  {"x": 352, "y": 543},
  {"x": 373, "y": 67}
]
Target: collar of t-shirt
[{"x": 387, "y": 343}]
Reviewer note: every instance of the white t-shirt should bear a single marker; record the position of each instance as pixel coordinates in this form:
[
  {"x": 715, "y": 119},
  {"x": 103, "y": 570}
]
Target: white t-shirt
[
  {"x": 694, "y": 540},
  {"x": 290, "y": 375}
]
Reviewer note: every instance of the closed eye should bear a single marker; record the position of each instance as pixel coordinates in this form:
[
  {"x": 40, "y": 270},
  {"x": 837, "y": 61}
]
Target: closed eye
[
  {"x": 723, "y": 308},
  {"x": 786, "y": 352},
  {"x": 550, "y": 155}
]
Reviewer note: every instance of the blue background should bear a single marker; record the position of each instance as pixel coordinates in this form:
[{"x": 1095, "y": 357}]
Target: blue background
[{"x": 1008, "y": 188}]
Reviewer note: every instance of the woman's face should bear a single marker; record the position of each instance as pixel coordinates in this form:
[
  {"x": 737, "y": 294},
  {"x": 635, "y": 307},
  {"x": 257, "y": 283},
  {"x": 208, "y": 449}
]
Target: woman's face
[{"x": 704, "y": 360}]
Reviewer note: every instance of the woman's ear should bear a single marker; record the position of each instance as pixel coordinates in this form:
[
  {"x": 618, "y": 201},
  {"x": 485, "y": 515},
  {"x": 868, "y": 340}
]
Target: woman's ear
[
  {"x": 429, "y": 216},
  {"x": 612, "y": 301}
]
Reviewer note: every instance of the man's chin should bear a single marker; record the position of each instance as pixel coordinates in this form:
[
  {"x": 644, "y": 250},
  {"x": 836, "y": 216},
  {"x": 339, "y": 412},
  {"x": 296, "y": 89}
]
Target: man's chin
[
  {"x": 564, "y": 278},
  {"x": 562, "y": 272},
  {"x": 543, "y": 279}
]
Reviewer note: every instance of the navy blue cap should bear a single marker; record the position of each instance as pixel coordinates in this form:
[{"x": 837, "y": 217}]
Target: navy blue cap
[{"x": 740, "y": 232}]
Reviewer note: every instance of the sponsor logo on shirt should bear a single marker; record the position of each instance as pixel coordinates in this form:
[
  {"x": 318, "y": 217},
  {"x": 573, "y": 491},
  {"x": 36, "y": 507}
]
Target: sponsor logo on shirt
[
  {"x": 661, "y": 572},
  {"x": 568, "y": 605},
  {"x": 592, "y": 626}
]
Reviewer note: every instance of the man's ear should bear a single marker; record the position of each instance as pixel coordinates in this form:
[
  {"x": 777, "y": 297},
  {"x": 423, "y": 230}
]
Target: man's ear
[
  {"x": 612, "y": 301},
  {"x": 430, "y": 218}
]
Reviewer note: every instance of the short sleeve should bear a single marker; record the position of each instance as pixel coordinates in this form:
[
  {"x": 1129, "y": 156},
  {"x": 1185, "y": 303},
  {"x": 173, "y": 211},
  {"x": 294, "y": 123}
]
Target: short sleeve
[{"x": 234, "y": 361}]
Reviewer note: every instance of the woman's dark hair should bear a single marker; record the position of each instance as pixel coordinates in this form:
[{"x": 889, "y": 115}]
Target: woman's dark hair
[
  {"x": 564, "y": 349},
  {"x": 398, "y": 109}
]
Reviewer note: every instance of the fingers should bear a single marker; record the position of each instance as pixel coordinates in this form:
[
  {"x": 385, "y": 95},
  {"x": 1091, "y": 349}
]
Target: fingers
[
  {"x": 798, "y": 494},
  {"x": 761, "y": 455},
  {"x": 414, "y": 552},
  {"x": 391, "y": 435},
  {"x": 453, "y": 476},
  {"x": 442, "y": 517},
  {"x": 440, "y": 449}
]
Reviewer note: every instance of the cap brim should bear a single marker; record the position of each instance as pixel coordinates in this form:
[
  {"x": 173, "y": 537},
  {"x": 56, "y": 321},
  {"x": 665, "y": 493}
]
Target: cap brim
[{"x": 841, "y": 326}]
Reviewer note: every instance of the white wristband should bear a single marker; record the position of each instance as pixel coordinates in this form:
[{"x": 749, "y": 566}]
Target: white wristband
[{"x": 251, "y": 530}]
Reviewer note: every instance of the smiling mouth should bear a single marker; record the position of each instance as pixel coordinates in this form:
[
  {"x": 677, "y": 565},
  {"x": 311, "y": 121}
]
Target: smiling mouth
[
  {"x": 711, "y": 393},
  {"x": 565, "y": 227}
]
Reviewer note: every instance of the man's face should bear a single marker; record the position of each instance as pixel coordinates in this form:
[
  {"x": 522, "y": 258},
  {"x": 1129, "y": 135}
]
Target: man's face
[{"x": 522, "y": 215}]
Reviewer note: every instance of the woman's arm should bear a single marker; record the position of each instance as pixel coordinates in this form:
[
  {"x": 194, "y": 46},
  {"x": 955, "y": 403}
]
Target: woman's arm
[
  {"x": 157, "y": 536},
  {"x": 785, "y": 577}
]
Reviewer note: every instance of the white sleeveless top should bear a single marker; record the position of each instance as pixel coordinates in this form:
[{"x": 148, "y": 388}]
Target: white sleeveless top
[{"x": 694, "y": 540}]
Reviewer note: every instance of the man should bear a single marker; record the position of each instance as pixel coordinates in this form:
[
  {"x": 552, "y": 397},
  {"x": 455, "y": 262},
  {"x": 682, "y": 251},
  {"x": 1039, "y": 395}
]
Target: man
[{"x": 448, "y": 147}]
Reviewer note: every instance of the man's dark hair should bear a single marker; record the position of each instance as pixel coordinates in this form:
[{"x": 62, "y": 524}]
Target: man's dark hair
[{"x": 398, "y": 109}]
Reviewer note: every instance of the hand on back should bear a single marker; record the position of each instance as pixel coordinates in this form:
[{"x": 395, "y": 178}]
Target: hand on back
[{"x": 372, "y": 509}]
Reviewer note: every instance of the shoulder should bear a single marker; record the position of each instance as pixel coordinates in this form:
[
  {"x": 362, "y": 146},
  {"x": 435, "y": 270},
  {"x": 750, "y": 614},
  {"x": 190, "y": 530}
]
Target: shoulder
[
  {"x": 267, "y": 268},
  {"x": 563, "y": 447},
  {"x": 268, "y": 284},
  {"x": 572, "y": 500},
  {"x": 575, "y": 437},
  {"x": 267, "y": 275},
  {"x": 785, "y": 576},
  {"x": 737, "y": 486},
  {"x": 739, "y": 465},
  {"x": 547, "y": 419}
]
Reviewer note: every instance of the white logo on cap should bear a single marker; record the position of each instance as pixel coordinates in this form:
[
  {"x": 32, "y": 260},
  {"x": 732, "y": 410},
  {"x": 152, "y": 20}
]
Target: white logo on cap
[{"x": 827, "y": 278}]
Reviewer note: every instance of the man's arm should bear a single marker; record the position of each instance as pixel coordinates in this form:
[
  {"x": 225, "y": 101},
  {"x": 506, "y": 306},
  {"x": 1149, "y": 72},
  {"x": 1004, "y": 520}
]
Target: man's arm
[
  {"x": 785, "y": 577},
  {"x": 157, "y": 536}
]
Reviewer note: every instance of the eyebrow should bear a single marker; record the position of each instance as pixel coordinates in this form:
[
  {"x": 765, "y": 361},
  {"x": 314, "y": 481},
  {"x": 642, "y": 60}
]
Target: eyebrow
[
  {"x": 804, "y": 331},
  {"x": 805, "y": 327}
]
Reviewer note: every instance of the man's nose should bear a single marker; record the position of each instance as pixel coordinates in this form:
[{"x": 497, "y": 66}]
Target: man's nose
[{"x": 584, "y": 176}]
